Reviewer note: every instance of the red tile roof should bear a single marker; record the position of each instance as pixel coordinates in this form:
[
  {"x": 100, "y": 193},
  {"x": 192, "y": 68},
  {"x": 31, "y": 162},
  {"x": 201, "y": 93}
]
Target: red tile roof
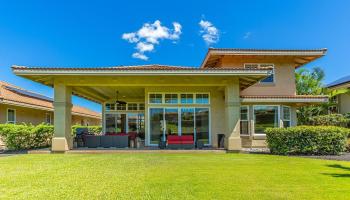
[{"x": 9, "y": 94}]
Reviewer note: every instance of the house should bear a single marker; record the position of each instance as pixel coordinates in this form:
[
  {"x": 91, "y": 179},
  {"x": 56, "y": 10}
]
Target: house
[
  {"x": 231, "y": 98},
  {"x": 342, "y": 100},
  {"x": 18, "y": 105}
]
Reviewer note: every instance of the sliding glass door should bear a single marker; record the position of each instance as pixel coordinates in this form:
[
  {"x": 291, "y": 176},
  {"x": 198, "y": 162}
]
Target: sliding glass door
[
  {"x": 179, "y": 121},
  {"x": 202, "y": 125},
  {"x": 156, "y": 119}
]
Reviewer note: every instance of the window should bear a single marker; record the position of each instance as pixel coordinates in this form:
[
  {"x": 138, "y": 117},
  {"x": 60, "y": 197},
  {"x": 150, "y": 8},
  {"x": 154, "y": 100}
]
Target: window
[
  {"x": 269, "y": 79},
  {"x": 244, "y": 123},
  {"x": 334, "y": 99},
  {"x": 286, "y": 116},
  {"x": 265, "y": 117},
  {"x": 132, "y": 106},
  {"x": 155, "y": 98},
  {"x": 11, "y": 116},
  {"x": 141, "y": 106},
  {"x": 187, "y": 98},
  {"x": 202, "y": 98},
  {"x": 333, "y": 110},
  {"x": 48, "y": 118},
  {"x": 110, "y": 106},
  {"x": 121, "y": 106},
  {"x": 171, "y": 98}
]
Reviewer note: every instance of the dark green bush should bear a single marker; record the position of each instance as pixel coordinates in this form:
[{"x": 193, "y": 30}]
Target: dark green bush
[
  {"x": 307, "y": 140},
  {"x": 23, "y": 136},
  {"x": 19, "y": 137},
  {"x": 97, "y": 130},
  {"x": 330, "y": 120}
]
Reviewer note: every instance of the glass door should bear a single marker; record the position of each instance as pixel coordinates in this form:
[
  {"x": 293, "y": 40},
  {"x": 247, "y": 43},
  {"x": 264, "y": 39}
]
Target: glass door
[
  {"x": 202, "y": 125},
  {"x": 187, "y": 121},
  {"x": 156, "y": 118},
  {"x": 171, "y": 121}
]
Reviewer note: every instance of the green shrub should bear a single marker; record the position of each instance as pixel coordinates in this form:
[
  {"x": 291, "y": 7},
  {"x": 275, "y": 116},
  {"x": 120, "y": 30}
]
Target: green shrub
[
  {"x": 307, "y": 140},
  {"x": 27, "y": 136},
  {"x": 19, "y": 137},
  {"x": 330, "y": 120},
  {"x": 97, "y": 130}
]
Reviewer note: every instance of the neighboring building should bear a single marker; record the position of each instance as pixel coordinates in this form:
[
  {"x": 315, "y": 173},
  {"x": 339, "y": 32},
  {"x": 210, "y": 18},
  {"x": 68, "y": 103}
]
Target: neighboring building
[
  {"x": 22, "y": 106},
  {"x": 235, "y": 92},
  {"x": 341, "y": 101}
]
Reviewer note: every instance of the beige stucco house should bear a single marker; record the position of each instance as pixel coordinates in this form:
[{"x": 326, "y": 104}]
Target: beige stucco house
[
  {"x": 18, "y": 105},
  {"x": 342, "y": 100},
  {"x": 235, "y": 94}
]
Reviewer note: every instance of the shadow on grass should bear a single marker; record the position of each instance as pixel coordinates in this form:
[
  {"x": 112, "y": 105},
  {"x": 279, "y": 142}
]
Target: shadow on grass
[{"x": 338, "y": 175}]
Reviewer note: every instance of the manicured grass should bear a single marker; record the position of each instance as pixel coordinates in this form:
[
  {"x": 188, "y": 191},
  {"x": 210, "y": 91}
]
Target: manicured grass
[{"x": 172, "y": 176}]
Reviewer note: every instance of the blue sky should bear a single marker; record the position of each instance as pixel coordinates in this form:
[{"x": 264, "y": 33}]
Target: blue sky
[{"x": 77, "y": 33}]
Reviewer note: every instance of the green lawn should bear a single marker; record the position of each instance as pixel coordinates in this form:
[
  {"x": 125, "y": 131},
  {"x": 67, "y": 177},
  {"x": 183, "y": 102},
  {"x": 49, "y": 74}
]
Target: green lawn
[{"x": 172, "y": 176}]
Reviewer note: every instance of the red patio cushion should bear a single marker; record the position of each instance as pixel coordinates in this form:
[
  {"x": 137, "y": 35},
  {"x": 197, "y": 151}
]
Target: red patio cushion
[
  {"x": 186, "y": 137},
  {"x": 174, "y": 139}
]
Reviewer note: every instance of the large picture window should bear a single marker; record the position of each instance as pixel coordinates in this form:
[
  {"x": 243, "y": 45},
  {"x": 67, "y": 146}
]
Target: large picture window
[{"x": 265, "y": 117}]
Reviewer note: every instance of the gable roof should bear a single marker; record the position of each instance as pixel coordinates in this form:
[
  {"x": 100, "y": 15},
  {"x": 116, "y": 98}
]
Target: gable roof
[
  {"x": 342, "y": 82},
  {"x": 302, "y": 56},
  {"x": 11, "y": 94}
]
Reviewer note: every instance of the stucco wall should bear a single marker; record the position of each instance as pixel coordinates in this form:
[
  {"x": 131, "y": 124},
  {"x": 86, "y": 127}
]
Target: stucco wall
[
  {"x": 344, "y": 103},
  {"x": 35, "y": 116},
  {"x": 284, "y": 75}
]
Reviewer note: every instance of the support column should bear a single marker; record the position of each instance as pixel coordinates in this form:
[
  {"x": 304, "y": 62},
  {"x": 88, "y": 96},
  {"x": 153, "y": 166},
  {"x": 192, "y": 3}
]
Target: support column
[
  {"x": 232, "y": 116},
  {"x": 62, "y": 140}
]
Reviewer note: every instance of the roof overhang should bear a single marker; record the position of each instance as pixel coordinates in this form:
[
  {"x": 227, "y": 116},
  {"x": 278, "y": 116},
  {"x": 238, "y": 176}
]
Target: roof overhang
[
  {"x": 119, "y": 77},
  {"x": 300, "y": 57},
  {"x": 297, "y": 99}
]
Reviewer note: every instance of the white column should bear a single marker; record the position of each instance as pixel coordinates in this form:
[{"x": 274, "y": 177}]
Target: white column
[
  {"x": 62, "y": 140},
  {"x": 232, "y": 116}
]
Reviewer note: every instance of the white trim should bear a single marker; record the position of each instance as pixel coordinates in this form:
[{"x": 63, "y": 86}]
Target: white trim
[
  {"x": 14, "y": 115},
  {"x": 283, "y": 100}
]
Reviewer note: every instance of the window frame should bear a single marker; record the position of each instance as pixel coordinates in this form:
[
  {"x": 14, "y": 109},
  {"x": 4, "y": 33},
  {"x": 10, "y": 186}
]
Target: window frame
[
  {"x": 278, "y": 117},
  {"x": 177, "y": 98},
  {"x": 50, "y": 118},
  {"x": 149, "y": 99},
  {"x": 245, "y": 120},
  {"x": 290, "y": 115},
  {"x": 14, "y": 116},
  {"x": 258, "y": 66}
]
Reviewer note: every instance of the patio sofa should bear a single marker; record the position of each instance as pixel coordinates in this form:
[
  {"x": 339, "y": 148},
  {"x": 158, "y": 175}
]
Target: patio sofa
[
  {"x": 180, "y": 142},
  {"x": 120, "y": 140}
]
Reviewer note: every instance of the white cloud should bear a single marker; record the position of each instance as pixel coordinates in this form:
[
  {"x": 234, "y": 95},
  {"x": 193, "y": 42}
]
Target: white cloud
[
  {"x": 247, "y": 35},
  {"x": 151, "y": 34},
  {"x": 139, "y": 56},
  {"x": 143, "y": 47},
  {"x": 130, "y": 37},
  {"x": 209, "y": 32}
]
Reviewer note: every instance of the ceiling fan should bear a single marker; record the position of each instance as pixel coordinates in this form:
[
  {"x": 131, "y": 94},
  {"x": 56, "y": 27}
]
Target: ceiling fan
[{"x": 117, "y": 101}]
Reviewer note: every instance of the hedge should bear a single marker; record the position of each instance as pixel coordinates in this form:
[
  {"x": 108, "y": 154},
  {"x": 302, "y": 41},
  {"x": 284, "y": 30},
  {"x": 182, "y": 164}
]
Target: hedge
[
  {"x": 307, "y": 140},
  {"x": 330, "y": 120},
  {"x": 27, "y": 136}
]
